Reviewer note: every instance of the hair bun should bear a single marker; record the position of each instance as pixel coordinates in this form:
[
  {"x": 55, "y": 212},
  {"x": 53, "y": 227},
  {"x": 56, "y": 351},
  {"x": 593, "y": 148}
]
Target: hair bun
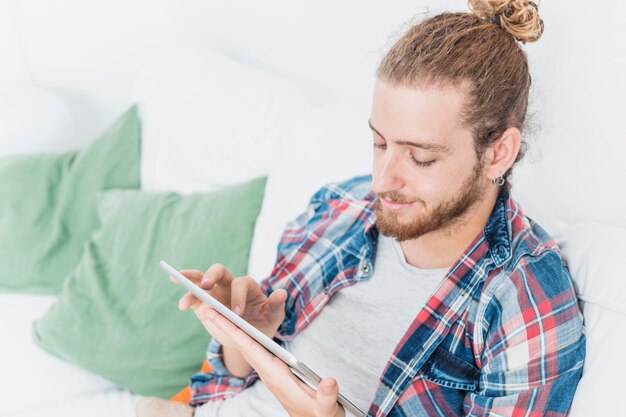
[{"x": 518, "y": 17}]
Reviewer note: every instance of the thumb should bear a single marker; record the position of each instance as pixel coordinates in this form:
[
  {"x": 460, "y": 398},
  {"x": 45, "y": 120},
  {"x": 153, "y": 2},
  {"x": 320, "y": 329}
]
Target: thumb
[
  {"x": 276, "y": 302},
  {"x": 326, "y": 399}
]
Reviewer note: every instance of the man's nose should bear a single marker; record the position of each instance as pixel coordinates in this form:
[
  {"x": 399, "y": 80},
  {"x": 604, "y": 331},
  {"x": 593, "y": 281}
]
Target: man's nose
[{"x": 387, "y": 172}]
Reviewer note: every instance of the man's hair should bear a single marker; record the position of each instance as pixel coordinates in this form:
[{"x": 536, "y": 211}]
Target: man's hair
[{"x": 478, "y": 52}]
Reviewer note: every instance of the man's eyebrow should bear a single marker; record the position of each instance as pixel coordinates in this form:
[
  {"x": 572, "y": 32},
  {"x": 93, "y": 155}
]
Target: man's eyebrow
[{"x": 429, "y": 146}]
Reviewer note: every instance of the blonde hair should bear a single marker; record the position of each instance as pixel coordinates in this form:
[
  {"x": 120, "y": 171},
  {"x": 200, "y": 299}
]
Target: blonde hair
[
  {"x": 479, "y": 53},
  {"x": 518, "y": 17}
]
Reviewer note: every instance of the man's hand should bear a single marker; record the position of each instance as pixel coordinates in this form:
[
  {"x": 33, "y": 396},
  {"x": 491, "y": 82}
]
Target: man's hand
[
  {"x": 295, "y": 396},
  {"x": 245, "y": 298},
  {"x": 242, "y": 295}
]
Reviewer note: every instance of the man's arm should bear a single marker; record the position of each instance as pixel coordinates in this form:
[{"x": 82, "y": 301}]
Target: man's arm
[
  {"x": 531, "y": 345},
  {"x": 231, "y": 373},
  {"x": 297, "y": 398},
  {"x": 236, "y": 364}
]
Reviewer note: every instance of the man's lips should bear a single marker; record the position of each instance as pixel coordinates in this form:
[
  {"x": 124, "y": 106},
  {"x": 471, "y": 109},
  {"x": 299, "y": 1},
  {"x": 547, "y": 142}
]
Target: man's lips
[{"x": 389, "y": 205}]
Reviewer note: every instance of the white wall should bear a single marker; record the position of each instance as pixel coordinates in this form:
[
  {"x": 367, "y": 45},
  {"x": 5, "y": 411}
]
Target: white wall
[
  {"x": 89, "y": 51},
  {"x": 12, "y": 68},
  {"x": 578, "y": 68}
]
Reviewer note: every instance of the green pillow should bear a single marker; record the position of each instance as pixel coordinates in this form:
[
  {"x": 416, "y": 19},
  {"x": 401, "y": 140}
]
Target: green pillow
[
  {"x": 118, "y": 312},
  {"x": 48, "y": 208}
]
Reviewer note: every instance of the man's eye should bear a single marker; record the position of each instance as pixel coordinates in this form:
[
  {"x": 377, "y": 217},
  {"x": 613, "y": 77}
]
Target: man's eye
[
  {"x": 422, "y": 163},
  {"x": 379, "y": 146}
]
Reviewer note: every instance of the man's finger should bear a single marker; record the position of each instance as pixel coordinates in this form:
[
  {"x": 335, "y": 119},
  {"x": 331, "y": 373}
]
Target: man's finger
[
  {"x": 239, "y": 291},
  {"x": 241, "y": 339},
  {"x": 188, "y": 301},
  {"x": 276, "y": 301},
  {"x": 192, "y": 274},
  {"x": 216, "y": 274},
  {"x": 326, "y": 399}
]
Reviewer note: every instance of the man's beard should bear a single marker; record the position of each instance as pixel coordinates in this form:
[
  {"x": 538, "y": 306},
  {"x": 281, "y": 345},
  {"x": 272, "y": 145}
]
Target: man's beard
[{"x": 443, "y": 215}]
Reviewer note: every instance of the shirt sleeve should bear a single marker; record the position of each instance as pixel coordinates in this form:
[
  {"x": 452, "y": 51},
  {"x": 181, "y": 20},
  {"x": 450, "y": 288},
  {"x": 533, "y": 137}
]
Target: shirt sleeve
[
  {"x": 218, "y": 384},
  {"x": 533, "y": 343}
]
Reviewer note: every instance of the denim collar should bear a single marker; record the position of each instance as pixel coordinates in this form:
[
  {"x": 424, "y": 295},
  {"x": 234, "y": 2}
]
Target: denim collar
[{"x": 497, "y": 231}]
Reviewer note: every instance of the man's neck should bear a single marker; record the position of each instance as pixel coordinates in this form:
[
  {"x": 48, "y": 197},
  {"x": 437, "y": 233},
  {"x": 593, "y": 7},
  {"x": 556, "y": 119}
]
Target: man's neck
[{"x": 442, "y": 248}]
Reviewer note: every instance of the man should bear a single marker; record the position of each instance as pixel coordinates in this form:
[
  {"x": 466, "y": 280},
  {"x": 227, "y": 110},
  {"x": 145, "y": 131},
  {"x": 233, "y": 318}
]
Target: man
[{"x": 423, "y": 289}]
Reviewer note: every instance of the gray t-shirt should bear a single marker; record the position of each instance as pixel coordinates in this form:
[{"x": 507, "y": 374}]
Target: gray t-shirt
[{"x": 353, "y": 337}]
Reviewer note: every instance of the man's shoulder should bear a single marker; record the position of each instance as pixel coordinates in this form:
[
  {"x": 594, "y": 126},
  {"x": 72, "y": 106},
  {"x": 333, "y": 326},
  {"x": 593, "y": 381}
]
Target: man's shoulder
[
  {"x": 331, "y": 216},
  {"x": 529, "y": 241},
  {"x": 535, "y": 272},
  {"x": 530, "y": 297},
  {"x": 535, "y": 261},
  {"x": 356, "y": 188}
]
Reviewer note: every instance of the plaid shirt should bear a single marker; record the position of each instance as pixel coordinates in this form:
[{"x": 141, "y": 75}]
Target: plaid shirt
[{"x": 501, "y": 336}]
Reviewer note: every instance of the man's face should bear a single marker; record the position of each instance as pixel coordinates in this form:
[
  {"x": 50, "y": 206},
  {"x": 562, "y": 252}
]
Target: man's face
[{"x": 426, "y": 173}]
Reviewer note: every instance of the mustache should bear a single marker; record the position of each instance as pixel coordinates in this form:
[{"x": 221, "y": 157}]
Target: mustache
[{"x": 396, "y": 197}]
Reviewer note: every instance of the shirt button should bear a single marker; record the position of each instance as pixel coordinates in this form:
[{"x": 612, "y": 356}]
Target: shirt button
[
  {"x": 326, "y": 290},
  {"x": 365, "y": 268}
]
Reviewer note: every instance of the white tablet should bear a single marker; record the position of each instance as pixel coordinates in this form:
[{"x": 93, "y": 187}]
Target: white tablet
[{"x": 298, "y": 368}]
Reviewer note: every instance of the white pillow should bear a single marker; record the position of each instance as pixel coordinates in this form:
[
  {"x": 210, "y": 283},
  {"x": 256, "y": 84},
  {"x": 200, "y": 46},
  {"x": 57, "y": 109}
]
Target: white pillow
[
  {"x": 31, "y": 377},
  {"x": 327, "y": 144},
  {"x": 594, "y": 252},
  {"x": 101, "y": 403},
  {"x": 203, "y": 116},
  {"x": 601, "y": 389},
  {"x": 33, "y": 120}
]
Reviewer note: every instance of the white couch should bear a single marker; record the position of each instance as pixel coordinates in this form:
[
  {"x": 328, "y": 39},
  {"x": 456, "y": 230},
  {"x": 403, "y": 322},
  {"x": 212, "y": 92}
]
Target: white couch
[{"x": 308, "y": 127}]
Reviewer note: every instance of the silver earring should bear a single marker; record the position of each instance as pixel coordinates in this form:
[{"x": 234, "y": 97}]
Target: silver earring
[{"x": 499, "y": 181}]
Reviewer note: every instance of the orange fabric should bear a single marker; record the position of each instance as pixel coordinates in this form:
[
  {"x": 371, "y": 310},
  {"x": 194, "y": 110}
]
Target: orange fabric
[{"x": 185, "y": 394}]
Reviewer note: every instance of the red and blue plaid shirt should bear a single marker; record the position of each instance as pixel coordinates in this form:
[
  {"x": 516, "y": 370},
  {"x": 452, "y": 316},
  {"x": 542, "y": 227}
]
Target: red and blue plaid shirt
[{"x": 501, "y": 336}]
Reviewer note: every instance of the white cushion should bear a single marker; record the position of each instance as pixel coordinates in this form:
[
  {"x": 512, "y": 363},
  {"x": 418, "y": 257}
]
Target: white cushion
[
  {"x": 203, "y": 116},
  {"x": 31, "y": 376},
  {"x": 594, "y": 252},
  {"x": 33, "y": 120},
  {"x": 327, "y": 144},
  {"x": 601, "y": 389},
  {"x": 101, "y": 403}
]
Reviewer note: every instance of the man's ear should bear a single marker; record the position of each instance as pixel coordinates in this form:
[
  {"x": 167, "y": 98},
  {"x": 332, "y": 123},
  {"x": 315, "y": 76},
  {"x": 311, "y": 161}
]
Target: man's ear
[{"x": 500, "y": 155}]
